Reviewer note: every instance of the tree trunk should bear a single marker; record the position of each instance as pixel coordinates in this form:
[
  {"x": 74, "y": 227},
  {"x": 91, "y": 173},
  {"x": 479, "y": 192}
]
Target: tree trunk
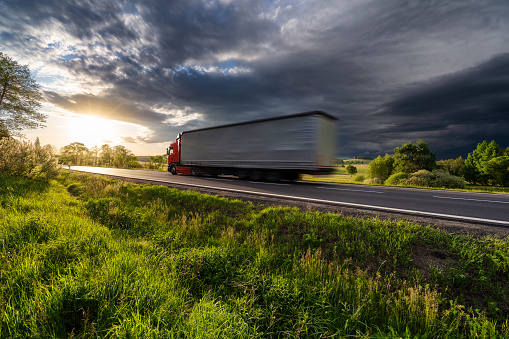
[{"x": 4, "y": 90}]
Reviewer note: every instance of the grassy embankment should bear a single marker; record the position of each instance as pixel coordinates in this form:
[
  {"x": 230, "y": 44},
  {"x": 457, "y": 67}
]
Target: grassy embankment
[{"x": 86, "y": 256}]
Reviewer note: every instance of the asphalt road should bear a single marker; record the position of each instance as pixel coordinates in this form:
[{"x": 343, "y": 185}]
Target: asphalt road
[{"x": 481, "y": 208}]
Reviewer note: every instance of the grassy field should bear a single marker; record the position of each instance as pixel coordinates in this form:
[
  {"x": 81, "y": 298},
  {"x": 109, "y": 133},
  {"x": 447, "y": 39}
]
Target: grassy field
[
  {"x": 339, "y": 175},
  {"x": 86, "y": 256}
]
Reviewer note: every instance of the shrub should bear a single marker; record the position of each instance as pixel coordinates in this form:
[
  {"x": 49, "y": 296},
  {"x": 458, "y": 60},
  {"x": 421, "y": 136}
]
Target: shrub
[
  {"x": 437, "y": 178},
  {"x": 397, "y": 179},
  {"x": 359, "y": 178},
  {"x": 22, "y": 158},
  {"x": 374, "y": 181}
]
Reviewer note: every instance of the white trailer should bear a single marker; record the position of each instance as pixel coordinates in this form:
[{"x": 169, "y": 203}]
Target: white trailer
[{"x": 279, "y": 147}]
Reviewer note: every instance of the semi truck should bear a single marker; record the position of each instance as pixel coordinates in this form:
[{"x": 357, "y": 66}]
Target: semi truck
[{"x": 273, "y": 149}]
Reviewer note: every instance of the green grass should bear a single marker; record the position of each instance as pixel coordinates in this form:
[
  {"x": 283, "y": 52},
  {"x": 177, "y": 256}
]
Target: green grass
[
  {"x": 339, "y": 175},
  {"x": 86, "y": 256}
]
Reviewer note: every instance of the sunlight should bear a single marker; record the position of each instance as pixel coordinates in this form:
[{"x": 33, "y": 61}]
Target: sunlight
[{"x": 93, "y": 131}]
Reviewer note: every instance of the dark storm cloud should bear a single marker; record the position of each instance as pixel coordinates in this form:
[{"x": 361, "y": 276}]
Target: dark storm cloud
[
  {"x": 457, "y": 111},
  {"x": 236, "y": 60}
]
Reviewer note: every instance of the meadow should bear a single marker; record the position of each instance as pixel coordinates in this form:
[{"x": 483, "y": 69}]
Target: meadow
[{"x": 85, "y": 256}]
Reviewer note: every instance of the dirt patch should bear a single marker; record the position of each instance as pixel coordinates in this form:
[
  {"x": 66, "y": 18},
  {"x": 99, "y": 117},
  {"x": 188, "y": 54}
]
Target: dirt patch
[{"x": 428, "y": 258}]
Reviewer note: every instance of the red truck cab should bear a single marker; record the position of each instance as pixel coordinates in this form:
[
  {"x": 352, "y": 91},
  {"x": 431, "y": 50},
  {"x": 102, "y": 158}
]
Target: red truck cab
[{"x": 174, "y": 156}]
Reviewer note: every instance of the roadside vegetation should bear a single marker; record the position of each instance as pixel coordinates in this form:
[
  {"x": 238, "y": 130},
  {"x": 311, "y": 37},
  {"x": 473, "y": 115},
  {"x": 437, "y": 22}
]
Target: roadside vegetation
[
  {"x": 85, "y": 256},
  {"x": 486, "y": 169}
]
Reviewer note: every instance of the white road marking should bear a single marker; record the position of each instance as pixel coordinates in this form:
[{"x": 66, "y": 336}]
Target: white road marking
[
  {"x": 339, "y": 203},
  {"x": 483, "y": 200},
  {"x": 268, "y": 183},
  {"x": 219, "y": 179},
  {"x": 349, "y": 189}
]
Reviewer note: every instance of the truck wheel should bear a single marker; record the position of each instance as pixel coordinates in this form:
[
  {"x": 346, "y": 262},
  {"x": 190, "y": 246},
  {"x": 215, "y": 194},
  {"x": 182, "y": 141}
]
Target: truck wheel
[
  {"x": 194, "y": 172},
  {"x": 272, "y": 176},
  {"x": 173, "y": 169},
  {"x": 256, "y": 175},
  {"x": 242, "y": 174}
]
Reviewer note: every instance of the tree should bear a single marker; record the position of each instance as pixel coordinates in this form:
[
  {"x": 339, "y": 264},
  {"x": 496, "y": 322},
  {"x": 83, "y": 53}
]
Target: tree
[
  {"x": 19, "y": 98},
  {"x": 73, "y": 153},
  {"x": 351, "y": 169},
  {"x": 107, "y": 155},
  {"x": 92, "y": 155},
  {"x": 453, "y": 166},
  {"x": 410, "y": 158},
  {"x": 498, "y": 169},
  {"x": 124, "y": 157},
  {"x": 158, "y": 161},
  {"x": 475, "y": 165},
  {"x": 380, "y": 167}
]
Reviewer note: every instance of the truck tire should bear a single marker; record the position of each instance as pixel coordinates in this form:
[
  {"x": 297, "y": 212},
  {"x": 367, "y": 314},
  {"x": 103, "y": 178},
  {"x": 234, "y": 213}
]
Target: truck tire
[
  {"x": 242, "y": 174},
  {"x": 173, "y": 169},
  {"x": 272, "y": 176},
  {"x": 194, "y": 172},
  {"x": 256, "y": 175}
]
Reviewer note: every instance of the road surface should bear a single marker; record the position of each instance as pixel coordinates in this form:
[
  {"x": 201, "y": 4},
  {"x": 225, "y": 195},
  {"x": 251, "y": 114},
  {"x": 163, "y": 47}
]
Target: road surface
[{"x": 481, "y": 208}]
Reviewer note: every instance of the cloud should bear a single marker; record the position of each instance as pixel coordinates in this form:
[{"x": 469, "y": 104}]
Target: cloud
[
  {"x": 455, "y": 111},
  {"x": 392, "y": 71}
]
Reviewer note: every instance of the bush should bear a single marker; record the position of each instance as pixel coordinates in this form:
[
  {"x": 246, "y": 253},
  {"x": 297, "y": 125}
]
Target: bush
[
  {"x": 374, "y": 181},
  {"x": 22, "y": 158},
  {"x": 359, "y": 178},
  {"x": 399, "y": 178},
  {"x": 437, "y": 178}
]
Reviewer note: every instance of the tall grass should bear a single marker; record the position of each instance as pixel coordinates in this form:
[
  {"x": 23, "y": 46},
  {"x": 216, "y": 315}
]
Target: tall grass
[{"x": 86, "y": 256}]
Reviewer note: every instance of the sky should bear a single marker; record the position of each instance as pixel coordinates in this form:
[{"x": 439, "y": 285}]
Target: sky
[{"x": 139, "y": 72}]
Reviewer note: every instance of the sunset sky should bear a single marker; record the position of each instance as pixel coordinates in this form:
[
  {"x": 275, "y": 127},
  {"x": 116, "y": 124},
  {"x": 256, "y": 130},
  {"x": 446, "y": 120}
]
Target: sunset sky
[{"x": 139, "y": 72}]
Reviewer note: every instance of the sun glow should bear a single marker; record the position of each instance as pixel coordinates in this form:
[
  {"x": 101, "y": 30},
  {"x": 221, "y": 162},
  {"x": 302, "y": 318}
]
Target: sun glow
[{"x": 93, "y": 131}]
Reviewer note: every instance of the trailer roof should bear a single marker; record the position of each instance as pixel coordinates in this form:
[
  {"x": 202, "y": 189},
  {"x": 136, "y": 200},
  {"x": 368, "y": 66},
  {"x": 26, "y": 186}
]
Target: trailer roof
[{"x": 280, "y": 117}]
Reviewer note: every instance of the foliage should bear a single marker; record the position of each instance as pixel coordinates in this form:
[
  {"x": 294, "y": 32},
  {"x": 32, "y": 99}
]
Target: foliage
[
  {"x": 486, "y": 165},
  {"x": 106, "y": 155},
  {"x": 131, "y": 261},
  {"x": 396, "y": 179},
  {"x": 23, "y": 158},
  {"x": 19, "y": 98},
  {"x": 381, "y": 167},
  {"x": 453, "y": 166},
  {"x": 374, "y": 181},
  {"x": 359, "y": 178},
  {"x": 77, "y": 153},
  {"x": 498, "y": 170},
  {"x": 436, "y": 178},
  {"x": 158, "y": 161},
  {"x": 350, "y": 169},
  {"x": 124, "y": 157},
  {"x": 410, "y": 158},
  {"x": 74, "y": 154}
]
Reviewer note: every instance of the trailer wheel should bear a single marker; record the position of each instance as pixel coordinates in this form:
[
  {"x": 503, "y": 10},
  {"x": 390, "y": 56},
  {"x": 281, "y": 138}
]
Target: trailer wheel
[
  {"x": 242, "y": 174},
  {"x": 194, "y": 171},
  {"x": 173, "y": 169},
  {"x": 272, "y": 176},
  {"x": 256, "y": 175}
]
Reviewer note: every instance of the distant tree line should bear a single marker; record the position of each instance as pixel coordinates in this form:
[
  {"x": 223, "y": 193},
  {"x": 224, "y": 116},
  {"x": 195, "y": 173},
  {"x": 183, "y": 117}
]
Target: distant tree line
[{"x": 118, "y": 156}]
